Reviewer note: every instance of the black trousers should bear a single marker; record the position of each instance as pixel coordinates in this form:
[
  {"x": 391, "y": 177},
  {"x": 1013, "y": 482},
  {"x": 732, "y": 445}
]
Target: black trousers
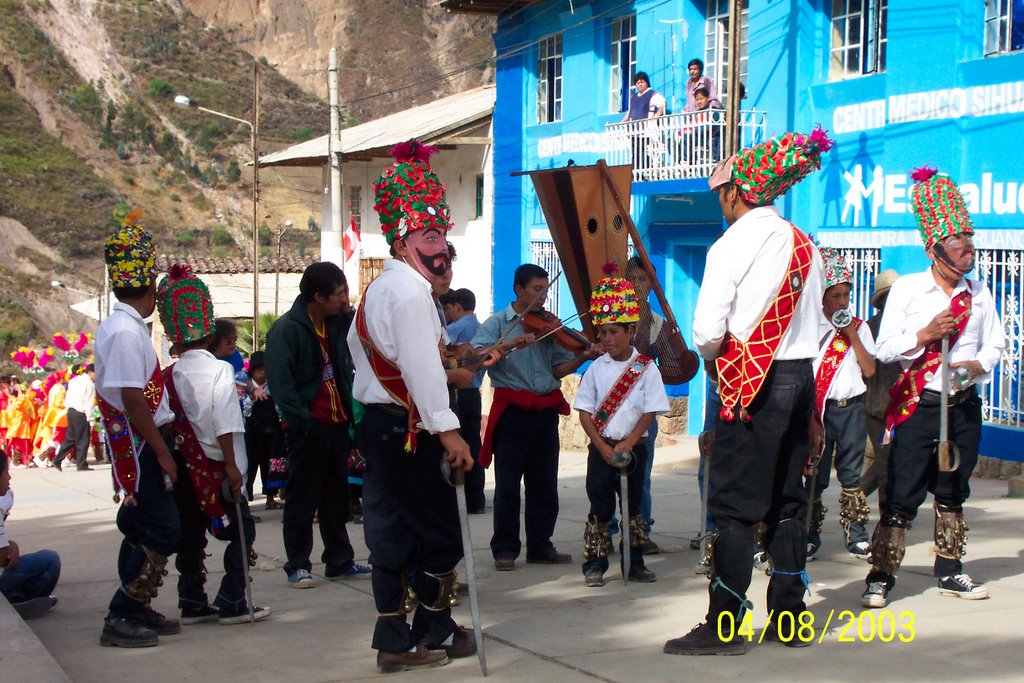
[
  {"x": 604, "y": 486},
  {"x": 470, "y": 410},
  {"x": 526, "y": 451},
  {"x": 317, "y": 484},
  {"x": 914, "y": 472},
  {"x": 151, "y": 523},
  {"x": 259, "y": 446},
  {"x": 76, "y": 437},
  {"x": 192, "y": 548},
  {"x": 411, "y": 521},
  {"x": 757, "y": 474}
]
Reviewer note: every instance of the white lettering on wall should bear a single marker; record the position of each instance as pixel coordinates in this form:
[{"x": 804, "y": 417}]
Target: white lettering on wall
[
  {"x": 930, "y": 105},
  {"x": 891, "y": 194}
]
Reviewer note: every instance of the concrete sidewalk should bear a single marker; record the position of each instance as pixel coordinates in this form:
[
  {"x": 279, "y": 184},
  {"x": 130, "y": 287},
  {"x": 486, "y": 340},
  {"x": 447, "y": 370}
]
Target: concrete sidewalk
[{"x": 541, "y": 622}]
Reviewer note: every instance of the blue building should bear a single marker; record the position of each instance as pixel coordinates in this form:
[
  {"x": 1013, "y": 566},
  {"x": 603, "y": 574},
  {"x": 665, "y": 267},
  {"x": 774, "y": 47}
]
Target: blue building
[{"x": 898, "y": 85}]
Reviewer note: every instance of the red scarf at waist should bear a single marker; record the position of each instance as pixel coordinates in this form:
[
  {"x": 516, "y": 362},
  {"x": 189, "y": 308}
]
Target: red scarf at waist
[{"x": 520, "y": 398}]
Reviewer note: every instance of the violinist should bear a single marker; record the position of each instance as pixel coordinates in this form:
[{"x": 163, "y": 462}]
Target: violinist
[
  {"x": 522, "y": 431},
  {"x": 460, "y": 315}
]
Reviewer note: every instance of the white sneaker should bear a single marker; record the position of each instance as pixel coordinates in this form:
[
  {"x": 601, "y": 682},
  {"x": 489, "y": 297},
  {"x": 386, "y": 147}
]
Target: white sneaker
[
  {"x": 40, "y": 463},
  {"x": 876, "y": 595},
  {"x": 760, "y": 560},
  {"x": 860, "y": 551},
  {"x": 961, "y": 586}
]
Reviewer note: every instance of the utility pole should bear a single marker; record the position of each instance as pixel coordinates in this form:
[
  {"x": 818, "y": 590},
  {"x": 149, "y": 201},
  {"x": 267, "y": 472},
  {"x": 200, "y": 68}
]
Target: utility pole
[
  {"x": 255, "y": 205},
  {"x": 330, "y": 240},
  {"x": 732, "y": 114}
]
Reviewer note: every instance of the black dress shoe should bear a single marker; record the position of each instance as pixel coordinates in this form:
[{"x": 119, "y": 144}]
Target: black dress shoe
[
  {"x": 505, "y": 562},
  {"x": 704, "y": 640},
  {"x": 127, "y": 633},
  {"x": 84, "y": 468},
  {"x": 161, "y": 624},
  {"x": 549, "y": 556},
  {"x": 420, "y": 658}
]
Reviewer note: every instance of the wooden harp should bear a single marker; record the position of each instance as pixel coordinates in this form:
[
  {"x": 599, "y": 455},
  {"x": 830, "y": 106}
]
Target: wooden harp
[{"x": 590, "y": 226}]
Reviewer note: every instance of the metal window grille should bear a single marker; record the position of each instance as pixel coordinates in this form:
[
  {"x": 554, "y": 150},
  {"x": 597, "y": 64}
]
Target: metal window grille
[
  {"x": 623, "y": 61},
  {"x": 1004, "y": 26},
  {"x": 858, "y": 44},
  {"x": 543, "y": 254},
  {"x": 355, "y": 205},
  {"x": 865, "y": 265},
  {"x": 716, "y": 41},
  {"x": 549, "y": 80},
  {"x": 1003, "y": 272}
]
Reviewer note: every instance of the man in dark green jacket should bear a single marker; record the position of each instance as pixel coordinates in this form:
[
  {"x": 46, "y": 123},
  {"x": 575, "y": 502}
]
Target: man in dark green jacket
[{"x": 309, "y": 372}]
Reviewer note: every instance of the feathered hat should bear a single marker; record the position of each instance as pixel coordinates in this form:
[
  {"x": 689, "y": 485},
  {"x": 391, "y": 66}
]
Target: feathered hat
[
  {"x": 938, "y": 206},
  {"x": 185, "y": 307},
  {"x": 837, "y": 270},
  {"x": 613, "y": 300},
  {"x": 765, "y": 172},
  {"x": 130, "y": 254},
  {"x": 409, "y": 195}
]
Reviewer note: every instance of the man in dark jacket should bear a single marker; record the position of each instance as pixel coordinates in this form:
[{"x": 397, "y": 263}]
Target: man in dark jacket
[{"x": 309, "y": 367}]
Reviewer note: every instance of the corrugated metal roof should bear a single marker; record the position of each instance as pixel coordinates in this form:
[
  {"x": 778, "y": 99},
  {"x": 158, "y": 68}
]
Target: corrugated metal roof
[{"x": 427, "y": 123}]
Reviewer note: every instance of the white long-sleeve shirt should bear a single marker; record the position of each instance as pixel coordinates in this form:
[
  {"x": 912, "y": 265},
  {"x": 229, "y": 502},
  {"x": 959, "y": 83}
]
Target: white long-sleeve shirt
[
  {"x": 206, "y": 390},
  {"x": 915, "y": 300},
  {"x": 81, "y": 394},
  {"x": 125, "y": 359},
  {"x": 744, "y": 271},
  {"x": 849, "y": 380},
  {"x": 402, "y": 321}
]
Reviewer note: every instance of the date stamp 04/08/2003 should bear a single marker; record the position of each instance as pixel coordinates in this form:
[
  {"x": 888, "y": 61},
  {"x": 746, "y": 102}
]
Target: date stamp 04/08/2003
[{"x": 851, "y": 627}]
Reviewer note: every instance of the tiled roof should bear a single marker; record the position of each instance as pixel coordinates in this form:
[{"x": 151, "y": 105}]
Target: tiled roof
[{"x": 209, "y": 264}]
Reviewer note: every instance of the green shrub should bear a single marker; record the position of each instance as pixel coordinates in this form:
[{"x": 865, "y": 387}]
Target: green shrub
[
  {"x": 174, "y": 197},
  {"x": 234, "y": 173},
  {"x": 303, "y": 134},
  {"x": 160, "y": 87},
  {"x": 186, "y": 238},
  {"x": 220, "y": 237}
]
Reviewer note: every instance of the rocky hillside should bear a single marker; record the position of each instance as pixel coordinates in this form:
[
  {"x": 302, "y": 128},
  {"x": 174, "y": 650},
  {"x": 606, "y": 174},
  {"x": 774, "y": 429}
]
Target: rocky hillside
[
  {"x": 88, "y": 122},
  {"x": 393, "y": 53}
]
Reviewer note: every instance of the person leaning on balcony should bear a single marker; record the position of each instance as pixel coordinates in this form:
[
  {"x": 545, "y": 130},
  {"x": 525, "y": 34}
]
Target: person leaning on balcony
[
  {"x": 645, "y": 103},
  {"x": 697, "y": 80},
  {"x": 922, "y": 308},
  {"x": 709, "y": 142}
]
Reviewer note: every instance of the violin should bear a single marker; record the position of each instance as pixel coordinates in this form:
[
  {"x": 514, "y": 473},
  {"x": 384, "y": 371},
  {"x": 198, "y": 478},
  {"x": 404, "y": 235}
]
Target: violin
[
  {"x": 545, "y": 324},
  {"x": 455, "y": 356}
]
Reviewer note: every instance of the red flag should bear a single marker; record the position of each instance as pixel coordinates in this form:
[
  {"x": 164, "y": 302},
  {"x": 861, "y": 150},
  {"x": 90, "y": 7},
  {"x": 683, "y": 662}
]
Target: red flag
[{"x": 350, "y": 239}]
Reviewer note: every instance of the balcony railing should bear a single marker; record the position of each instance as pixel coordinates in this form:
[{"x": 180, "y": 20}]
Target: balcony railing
[{"x": 686, "y": 145}]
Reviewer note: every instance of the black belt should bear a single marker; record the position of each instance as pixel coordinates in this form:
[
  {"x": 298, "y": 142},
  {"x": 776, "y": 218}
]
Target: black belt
[
  {"x": 389, "y": 409},
  {"x": 843, "y": 402},
  {"x": 932, "y": 398}
]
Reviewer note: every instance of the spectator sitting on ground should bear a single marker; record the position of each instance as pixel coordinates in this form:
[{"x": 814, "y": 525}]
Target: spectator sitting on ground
[{"x": 27, "y": 580}]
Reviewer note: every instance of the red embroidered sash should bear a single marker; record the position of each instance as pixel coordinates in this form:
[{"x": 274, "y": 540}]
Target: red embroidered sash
[
  {"x": 743, "y": 367},
  {"x": 389, "y": 376},
  {"x": 123, "y": 445},
  {"x": 206, "y": 474},
  {"x": 906, "y": 393},
  {"x": 837, "y": 350},
  {"x": 619, "y": 391}
]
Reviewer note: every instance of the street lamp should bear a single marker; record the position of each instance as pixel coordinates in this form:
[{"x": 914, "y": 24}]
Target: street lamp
[
  {"x": 277, "y": 269},
  {"x": 254, "y": 138}
]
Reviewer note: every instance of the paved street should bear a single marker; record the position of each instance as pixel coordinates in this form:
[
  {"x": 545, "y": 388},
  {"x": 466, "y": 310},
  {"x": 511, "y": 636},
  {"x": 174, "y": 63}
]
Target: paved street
[{"x": 541, "y": 623}]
